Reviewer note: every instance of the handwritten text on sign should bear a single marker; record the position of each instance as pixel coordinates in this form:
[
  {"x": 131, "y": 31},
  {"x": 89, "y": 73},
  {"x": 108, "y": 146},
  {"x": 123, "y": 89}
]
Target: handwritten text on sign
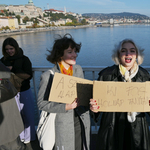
[
  {"x": 122, "y": 96},
  {"x": 64, "y": 89}
]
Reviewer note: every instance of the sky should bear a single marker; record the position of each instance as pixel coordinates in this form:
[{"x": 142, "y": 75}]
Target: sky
[{"x": 90, "y": 6}]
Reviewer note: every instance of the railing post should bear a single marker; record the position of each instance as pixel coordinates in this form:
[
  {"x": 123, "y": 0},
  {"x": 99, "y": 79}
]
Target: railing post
[
  {"x": 93, "y": 72},
  {"x": 35, "y": 91}
]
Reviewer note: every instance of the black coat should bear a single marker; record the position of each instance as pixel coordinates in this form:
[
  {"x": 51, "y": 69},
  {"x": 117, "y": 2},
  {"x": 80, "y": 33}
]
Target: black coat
[
  {"x": 115, "y": 132},
  {"x": 20, "y": 64}
]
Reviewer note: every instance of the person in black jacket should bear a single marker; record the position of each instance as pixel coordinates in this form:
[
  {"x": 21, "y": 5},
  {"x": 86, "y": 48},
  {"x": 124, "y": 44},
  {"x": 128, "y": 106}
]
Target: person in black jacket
[
  {"x": 21, "y": 66},
  {"x": 123, "y": 130}
]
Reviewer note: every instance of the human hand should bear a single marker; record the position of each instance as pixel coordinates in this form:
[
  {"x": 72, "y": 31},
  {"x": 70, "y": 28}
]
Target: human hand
[
  {"x": 93, "y": 105},
  {"x": 73, "y": 105},
  {"x": 9, "y": 67}
]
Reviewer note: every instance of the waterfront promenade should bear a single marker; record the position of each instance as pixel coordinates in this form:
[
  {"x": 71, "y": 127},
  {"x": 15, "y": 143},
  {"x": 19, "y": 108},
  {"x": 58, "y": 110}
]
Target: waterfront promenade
[{"x": 44, "y": 29}]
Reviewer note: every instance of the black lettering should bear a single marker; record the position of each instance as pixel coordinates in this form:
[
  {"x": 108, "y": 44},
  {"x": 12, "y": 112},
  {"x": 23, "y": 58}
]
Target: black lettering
[
  {"x": 61, "y": 82},
  {"x": 61, "y": 94},
  {"x": 111, "y": 90},
  {"x": 72, "y": 93},
  {"x": 67, "y": 94},
  {"x": 72, "y": 83}
]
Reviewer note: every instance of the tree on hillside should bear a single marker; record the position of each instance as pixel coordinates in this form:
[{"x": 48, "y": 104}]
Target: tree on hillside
[
  {"x": 34, "y": 20},
  {"x": 74, "y": 21},
  {"x": 5, "y": 28},
  {"x": 57, "y": 16},
  {"x": 26, "y": 19},
  {"x": 10, "y": 14},
  {"x": 40, "y": 16},
  {"x": 1, "y": 14},
  {"x": 70, "y": 17},
  {"x": 18, "y": 17},
  {"x": 6, "y": 12},
  {"x": 13, "y": 14},
  {"x": 83, "y": 21}
]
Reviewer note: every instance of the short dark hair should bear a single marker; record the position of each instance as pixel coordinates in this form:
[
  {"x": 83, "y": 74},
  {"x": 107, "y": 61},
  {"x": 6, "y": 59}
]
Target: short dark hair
[
  {"x": 12, "y": 42},
  {"x": 61, "y": 44}
]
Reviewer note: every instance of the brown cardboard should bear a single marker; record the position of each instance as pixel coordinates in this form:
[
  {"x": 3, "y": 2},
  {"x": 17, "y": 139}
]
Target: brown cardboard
[
  {"x": 64, "y": 89},
  {"x": 122, "y": 96},
  {"x": 110, "y": 96}
]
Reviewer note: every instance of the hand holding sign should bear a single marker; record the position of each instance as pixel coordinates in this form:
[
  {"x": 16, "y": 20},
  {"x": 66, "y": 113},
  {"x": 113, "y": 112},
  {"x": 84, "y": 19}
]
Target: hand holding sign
[
  {"x": 93, "y": 105},
  {"x": 73, "y": 105}
]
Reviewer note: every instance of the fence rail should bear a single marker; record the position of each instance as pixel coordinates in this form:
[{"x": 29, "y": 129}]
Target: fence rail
[
  {"x": 86, "y": 69},
  {"x": 92, "y": 69}
]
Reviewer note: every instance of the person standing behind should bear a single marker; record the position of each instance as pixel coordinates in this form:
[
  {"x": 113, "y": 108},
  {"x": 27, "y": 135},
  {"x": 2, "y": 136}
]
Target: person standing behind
[
  {"x": 123, "y": 130},
  {"x": 21, "y": 66},
  {"x": 72, "y": 122},
  {"x": 11, "y": 124}
]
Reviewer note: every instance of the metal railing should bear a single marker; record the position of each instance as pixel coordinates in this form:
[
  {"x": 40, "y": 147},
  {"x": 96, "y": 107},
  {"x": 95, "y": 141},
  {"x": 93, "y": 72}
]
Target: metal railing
[{"x": 86, "y": 69}]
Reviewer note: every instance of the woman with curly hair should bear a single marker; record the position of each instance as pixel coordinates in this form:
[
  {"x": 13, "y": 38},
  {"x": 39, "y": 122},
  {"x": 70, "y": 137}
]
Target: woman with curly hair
[{"x": 72, "y": 122}]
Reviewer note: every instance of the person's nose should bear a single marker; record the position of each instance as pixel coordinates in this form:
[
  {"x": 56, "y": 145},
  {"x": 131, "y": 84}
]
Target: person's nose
[
  {"x": 127, "y": 53},
  {"x": 74, "y": 54}
]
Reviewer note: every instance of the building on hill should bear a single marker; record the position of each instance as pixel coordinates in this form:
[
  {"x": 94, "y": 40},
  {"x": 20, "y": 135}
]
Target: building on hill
[
  {"x": 29, "y": 9},
  {"x": 62, "y": 21},
  {"x": 11, "y": 22},
  {"x": 3, "y": 6},
  {"x": 30, "y": 2},
  {"x": 54, "y": 11}
]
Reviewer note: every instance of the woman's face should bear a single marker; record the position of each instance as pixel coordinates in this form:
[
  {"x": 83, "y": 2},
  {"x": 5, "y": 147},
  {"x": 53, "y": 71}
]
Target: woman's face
[
  {"x": 10, "y": 50},
  {"x": 69, "y": 57},
  {"x": 128, "y": 55}
]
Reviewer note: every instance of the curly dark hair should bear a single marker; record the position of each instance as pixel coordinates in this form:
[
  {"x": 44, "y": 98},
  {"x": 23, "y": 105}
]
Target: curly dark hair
[
  {"x": 61, "y": 44},
  {"x": 12, "y": 42}
]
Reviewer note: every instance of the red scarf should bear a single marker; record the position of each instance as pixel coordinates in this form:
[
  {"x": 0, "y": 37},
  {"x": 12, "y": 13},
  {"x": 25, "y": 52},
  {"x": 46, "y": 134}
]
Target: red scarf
[{"x": 64, "y": 71}]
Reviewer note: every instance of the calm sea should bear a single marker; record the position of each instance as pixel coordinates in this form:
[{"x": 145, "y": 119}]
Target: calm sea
[{"x": 97, "y": 43}]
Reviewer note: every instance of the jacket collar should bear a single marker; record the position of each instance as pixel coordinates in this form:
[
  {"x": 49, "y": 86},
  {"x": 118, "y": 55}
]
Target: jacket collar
[{"x": 117, "y": 75}]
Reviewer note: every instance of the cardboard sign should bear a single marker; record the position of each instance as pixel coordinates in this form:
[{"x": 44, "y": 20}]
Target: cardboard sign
[
  {"x": 122, "y": 96},
  {"x": 66, "y": 88},
  {"x": 110, "y": 96}
]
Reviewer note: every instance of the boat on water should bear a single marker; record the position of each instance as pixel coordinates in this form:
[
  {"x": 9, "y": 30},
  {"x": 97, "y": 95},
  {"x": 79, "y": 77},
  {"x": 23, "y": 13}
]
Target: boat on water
[{"x": 116, "y": 24}]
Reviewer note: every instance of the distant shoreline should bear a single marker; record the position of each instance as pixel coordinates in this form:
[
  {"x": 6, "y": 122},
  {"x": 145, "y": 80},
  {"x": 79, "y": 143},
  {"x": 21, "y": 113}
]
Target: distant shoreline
[{"x": 36, "y": 30}]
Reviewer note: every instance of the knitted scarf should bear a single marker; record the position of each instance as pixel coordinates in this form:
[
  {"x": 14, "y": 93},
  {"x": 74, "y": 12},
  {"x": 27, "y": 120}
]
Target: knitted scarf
[
  {"x": 65, "y": 71},
  {"x": 128, "y": 75}
]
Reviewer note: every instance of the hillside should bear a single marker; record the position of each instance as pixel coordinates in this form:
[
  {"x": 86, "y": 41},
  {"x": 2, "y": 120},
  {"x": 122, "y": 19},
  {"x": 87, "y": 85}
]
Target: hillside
[{"x": 126, "y": 15}]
